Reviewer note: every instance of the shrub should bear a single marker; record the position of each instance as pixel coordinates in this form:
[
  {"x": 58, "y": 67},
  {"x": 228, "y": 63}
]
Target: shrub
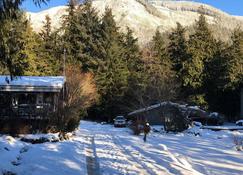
[
  {"x": 238, "y": 141},
  {"x": 81, "y": 93},
  {"x": 174, "y": 120},
  {"x": 136, "y": 127}
]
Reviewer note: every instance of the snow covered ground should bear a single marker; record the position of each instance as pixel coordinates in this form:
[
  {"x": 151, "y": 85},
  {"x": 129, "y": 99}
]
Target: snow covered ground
[{"x": 103, "y": 149}]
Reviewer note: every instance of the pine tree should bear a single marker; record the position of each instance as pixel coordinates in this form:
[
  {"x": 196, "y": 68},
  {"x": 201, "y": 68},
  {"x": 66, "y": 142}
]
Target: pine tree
[
  {"x": 214, "y": 81},
  {"x": 159, "y": 53},
  {"x": 177, "y": 48},
  {"x": 82, "y": 35},
  {"x": 112, "y": 74},
  {"x": 234, "y": 67},
  {"x": 33, "y": 45},
  {"x": 46, "y": 29},
  {"x": 132, "y": 52},
  {"x": 201, "y": 48},
  {"x": 136, "y": 79},
  {"x": 12, "y": 44},
  {"x": 48, "y": 49},
  {"x": 10, "y": 8},
  {"x": 89, "y": 24},
  {"x": 71, "y": 34}
]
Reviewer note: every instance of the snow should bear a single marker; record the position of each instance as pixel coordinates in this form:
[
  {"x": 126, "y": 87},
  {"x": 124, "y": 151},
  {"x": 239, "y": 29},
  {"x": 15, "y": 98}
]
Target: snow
[
  {"x": 48, "y": 81},
  {"x": 223, "y": 127},
  {"x": 144, "y": 20},
  {"x": 239, "y": 122},
  {"x": 108, "y": 150}
]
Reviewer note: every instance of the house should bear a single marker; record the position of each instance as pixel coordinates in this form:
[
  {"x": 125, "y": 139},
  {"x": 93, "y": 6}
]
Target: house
[
  {"x": 151, "y": 114},
  {"x": 162, "y": 112},
  {"x": 172, "y": 115},
  {"x": 156, "y": 114},
  {"x": 31, "y": 97}
]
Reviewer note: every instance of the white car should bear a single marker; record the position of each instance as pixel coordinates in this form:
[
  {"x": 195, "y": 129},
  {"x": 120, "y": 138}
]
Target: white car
[
  {"x": 239, "y": 123},
  {"x": 120, "y": 121}
]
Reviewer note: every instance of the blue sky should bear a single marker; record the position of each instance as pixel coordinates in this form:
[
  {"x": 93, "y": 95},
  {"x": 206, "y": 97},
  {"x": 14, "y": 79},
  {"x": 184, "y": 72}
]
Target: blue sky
[{"x": 234, "y": 7}]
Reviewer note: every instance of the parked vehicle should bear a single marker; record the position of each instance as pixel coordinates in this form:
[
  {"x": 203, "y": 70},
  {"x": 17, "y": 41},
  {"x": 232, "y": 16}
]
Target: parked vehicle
[
  {"x": 120, "y": 121},
  {"x": 239, "y": 123}
]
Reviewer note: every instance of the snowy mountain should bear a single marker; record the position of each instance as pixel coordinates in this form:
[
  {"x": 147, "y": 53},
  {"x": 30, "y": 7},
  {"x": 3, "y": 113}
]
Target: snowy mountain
[{"x": 145, "y": 16}]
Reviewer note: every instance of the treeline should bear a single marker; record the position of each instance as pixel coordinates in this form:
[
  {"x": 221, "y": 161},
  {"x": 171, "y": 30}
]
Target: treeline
[{"x": 196, "y": 69}]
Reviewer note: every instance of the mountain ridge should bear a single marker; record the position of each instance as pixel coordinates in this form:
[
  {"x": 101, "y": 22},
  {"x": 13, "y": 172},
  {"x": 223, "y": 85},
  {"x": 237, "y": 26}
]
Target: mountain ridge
[{"x": 145, "y": 17}]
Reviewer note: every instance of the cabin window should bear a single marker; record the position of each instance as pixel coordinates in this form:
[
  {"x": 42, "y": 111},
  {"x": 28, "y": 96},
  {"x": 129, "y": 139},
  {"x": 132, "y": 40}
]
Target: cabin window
[
  {"x": 4, "y": 100},
  {"x": 27, "y": 99},
  {"x": 48, "y": 98},
  {"x": 40, "y": 99}
]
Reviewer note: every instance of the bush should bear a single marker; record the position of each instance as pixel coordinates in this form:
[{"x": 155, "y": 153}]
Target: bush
[
  {"x": 238, "y": 141},
  {"x": 81, "y": 93},
  {"x": 174, "y": 120},
  {"x": 136, "y": 127},
  {"x": 72, "y": 124},
  {"x": 8, "y": 173}
]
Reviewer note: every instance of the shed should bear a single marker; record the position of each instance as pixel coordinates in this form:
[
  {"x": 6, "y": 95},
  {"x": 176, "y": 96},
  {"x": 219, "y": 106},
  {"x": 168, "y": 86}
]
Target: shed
[{"x": 31, "y": 97}]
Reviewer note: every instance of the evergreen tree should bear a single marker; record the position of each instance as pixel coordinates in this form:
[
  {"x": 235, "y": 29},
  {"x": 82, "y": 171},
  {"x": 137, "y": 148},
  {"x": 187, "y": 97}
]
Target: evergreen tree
[
  {"x": 48, "y": 48},
  {"x": 32, "y": 49},
  {"x": 132, "y": 52},
  {"x": 201, "y": 48},
  {"x": 234, "y": 65},
  {"x": 177, "y": 48},
  {"x": 71, "y": 34},
  {"x": 159, "y": 53},
  {"x": 214, "y": 81},
  {"x": 82, "y": 35},
  {"x": 89, "y": 25},
  {"x": 136, "y": 79},
  {"x": 112, "y": 74},
  {"x": 46, "y": 29},
  {"x": 12, "y": 44},
  {"x": 10, "y": 8}
]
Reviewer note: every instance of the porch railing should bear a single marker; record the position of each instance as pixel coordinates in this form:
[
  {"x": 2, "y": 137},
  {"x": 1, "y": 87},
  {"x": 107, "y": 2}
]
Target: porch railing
[{"x": 28, "y": 111}]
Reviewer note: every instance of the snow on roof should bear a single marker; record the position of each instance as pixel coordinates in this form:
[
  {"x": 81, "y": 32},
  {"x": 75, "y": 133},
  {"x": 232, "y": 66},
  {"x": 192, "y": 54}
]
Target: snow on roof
[
  {"x": 145, "y": 109},
  {"x": 153, "y": 107},
  {"x": 182, "y": 107},
  {"x": 51, "y": 82}
]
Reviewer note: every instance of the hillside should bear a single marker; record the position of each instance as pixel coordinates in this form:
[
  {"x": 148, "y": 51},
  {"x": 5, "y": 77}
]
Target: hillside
[{"x": 145, "y": 16}]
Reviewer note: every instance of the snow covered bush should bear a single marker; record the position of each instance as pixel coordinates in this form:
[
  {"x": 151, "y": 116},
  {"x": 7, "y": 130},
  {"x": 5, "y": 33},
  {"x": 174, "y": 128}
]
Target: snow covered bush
[
  {"x": 238, "y": 141},
  {"x": 8, "y": 173}
]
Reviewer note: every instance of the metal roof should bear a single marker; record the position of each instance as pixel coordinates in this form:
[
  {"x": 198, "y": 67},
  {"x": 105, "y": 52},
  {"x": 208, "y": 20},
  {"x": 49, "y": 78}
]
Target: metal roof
[{"x": 32, "y": 83}]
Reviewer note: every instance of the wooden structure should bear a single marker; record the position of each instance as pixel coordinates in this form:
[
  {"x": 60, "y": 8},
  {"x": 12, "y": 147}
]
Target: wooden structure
[
  {"x": 31, "y": 97},
  {"x": 173, "y": 116}
]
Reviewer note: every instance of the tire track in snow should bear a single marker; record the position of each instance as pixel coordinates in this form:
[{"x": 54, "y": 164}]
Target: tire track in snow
[
  {"x": 150, "y": 169},
  {"x": 180, "y": 161},
  {"x": 159, "y": 162},
  {"x": 120, "y": 158},
  {"x": 91, "y": 158}
]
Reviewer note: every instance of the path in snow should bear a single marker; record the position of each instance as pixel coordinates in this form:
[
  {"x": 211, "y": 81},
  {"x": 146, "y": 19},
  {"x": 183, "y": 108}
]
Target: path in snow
[
  {"x": 103, "y": 149},
  {"x": 91, "y": 158},
  {"x": 121, "y": 153}
]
